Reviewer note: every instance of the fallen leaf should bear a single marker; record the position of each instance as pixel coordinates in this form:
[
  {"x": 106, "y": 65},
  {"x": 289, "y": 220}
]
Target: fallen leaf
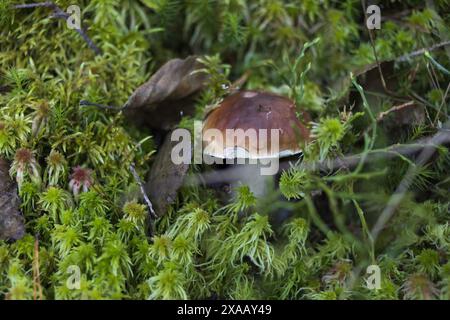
[
  {"x": 162, "y": 101},
  {"x": 165, "y": 178}
]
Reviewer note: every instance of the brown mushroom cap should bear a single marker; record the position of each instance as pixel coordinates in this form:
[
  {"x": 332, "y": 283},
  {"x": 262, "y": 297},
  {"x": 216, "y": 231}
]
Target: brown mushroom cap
[{"x": 254, "y": 110}]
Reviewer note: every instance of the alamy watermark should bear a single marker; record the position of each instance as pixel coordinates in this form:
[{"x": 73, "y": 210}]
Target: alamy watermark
[
  {"x": 213, "y": 146},
  {"x": 73, "y": 282},
  {"x": 373, "y": 281},
  {"x": 74, "y": 19}
]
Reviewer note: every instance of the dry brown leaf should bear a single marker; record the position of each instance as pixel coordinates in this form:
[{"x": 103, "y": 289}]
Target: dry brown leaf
[{"x": 165, "y": 178}]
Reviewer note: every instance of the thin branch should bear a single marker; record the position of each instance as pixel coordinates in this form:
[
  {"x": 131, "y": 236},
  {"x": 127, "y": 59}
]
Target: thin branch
[
  {"x": 59, "y": 13},
  {"x": 381, "y": 115},
  {"x": 37, "y": 288},
  {"x": 47, "y": 4},
  {"x": 86, "y": 103},
  {"x": 422, "y": 51},
  {"x": 440, "y": 138},
  {"x": 146, "y": 199},
  {"x": 444, "y": 98},
  {"x": 236, "y": 85},
  {"x": 403, "y": 58}
]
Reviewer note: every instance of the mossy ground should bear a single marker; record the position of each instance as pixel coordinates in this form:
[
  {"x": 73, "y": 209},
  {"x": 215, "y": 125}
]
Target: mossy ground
[{"x": 79, "y": 197}]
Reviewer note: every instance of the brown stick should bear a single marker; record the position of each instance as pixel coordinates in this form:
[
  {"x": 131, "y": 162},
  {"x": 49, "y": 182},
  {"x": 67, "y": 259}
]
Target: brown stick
[
  {"x": 381, "y": 115},
  {"x": 236, "y": 85},
  {"x": 404, "y": 57}
]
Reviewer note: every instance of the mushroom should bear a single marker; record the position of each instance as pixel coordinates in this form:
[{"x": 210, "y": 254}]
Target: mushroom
[{"x": 246, "y": 122}]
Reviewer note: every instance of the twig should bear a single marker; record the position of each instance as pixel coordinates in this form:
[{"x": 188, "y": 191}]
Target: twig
[
  {"x": 405, "y": 150},
  {"x": 444, "y": 98},
  {"x": 440, "y": 138},
  {"x": 141, "y": 186},
  {"x": 98, "y": 105},
  {"x": 381, "y": 115},
  {"x": 236, "y": 85},
  {"x": 59, "y": 13},
  {"x": 422, "y": 51},
  {"x": 418, "y": 101},
  {"x": 146, "y": 199},
  {"x": 34, "y": 5}
]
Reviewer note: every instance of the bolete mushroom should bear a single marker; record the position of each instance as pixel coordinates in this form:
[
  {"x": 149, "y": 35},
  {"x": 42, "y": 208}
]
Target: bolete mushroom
[{"x": 254, "y": 126}]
